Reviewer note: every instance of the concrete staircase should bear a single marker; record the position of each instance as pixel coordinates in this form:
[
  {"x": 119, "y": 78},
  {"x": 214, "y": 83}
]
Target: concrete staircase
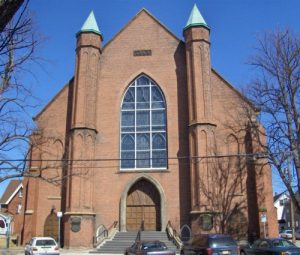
[{"x": 122, "y": 240}]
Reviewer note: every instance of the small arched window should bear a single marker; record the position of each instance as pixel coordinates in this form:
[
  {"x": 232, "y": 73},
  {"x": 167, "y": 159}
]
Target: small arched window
[
  {"x": 143, "y": 126},
  {"x": 2, "y": 223}
]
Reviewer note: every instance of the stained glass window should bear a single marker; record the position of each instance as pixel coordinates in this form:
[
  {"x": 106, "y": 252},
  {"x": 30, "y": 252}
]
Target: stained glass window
[{"x": 143, "y": 126}]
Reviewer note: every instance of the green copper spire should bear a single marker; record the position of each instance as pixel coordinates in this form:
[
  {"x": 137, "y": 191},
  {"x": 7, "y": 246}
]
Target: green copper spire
[
  {"x": 90, "y": 25},
  {"x": 195, "y": 19}
]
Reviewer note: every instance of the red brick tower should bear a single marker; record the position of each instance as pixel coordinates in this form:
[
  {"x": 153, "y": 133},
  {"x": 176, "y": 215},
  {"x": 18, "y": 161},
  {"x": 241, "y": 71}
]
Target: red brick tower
[
  {"x": 201, "y": 124},
  {"x": 79, "y": 216}
]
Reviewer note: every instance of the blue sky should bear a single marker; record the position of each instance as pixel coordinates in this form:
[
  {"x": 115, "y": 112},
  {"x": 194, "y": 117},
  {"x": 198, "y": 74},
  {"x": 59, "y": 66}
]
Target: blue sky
[{"x": 234, "y": 25}]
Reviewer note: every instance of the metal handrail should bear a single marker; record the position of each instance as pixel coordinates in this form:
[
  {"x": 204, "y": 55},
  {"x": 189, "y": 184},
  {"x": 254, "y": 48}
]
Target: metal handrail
[
  {"x": 101, "y": 236},
  {"x": 105, "y": 233},
  {"x": 139, "y": 234},
  {"x": 112, "y": 227},
  {"x": 173, "y": 235}
]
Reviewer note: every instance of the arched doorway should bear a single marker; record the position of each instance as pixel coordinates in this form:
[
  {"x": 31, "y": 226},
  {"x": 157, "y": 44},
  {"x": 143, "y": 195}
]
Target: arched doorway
[
  {"x": 143, "y": 205},
  {"x": 51, "y": 225}
]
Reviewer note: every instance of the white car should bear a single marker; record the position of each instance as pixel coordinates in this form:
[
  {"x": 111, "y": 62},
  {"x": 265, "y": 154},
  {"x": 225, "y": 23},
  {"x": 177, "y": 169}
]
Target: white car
[
  {"x": 42, "y": 245},
  {"x": 287, "y": 233}
]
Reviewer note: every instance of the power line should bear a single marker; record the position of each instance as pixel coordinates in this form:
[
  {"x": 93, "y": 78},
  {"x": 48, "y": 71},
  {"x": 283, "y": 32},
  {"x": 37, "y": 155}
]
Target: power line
[{"x": 245, "y": 155}]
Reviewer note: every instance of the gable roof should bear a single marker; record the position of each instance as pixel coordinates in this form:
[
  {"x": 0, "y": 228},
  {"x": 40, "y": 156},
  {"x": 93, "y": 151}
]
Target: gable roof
[
  {"x": 143, "y": 10},
  {"x": 11, "y": 190},
  {"x": 52, "y": 100},
  {"x": 236, "y": 91},
  {"x": 278, "y": 196}
]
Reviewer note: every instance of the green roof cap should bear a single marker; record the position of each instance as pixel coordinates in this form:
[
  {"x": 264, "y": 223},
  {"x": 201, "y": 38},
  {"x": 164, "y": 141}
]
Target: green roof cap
[
  {"x": 90, "y": 25},
  {"x": 195, "y": 19}
]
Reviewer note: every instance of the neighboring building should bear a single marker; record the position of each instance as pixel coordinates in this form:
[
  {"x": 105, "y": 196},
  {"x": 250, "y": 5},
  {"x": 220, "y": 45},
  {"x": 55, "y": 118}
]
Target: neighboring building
[
  {"x": 282, "y": 203},
  {"x": 134, "y": 137},
  {"x": 11, "y": 208}
]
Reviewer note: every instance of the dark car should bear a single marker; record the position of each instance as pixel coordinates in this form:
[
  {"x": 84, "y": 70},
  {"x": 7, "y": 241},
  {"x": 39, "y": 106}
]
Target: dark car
[
  {"x": 297, "y": 234},
  {"x": 275, "y": 246},
  {"x": 149, "y": 248},
  {"x": 208, "y": 244}
]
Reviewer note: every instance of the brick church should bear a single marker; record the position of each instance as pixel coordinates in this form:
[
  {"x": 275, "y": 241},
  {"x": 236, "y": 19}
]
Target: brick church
[{"x": 147, "y": 134}]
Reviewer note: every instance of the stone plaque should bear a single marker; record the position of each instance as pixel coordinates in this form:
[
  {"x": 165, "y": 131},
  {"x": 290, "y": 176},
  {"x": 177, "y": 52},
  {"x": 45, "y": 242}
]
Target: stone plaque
[
  {"x": 206, "y": 221},
  {"x": 139, "y": 53},
  {"x": 75, "y": 224}
]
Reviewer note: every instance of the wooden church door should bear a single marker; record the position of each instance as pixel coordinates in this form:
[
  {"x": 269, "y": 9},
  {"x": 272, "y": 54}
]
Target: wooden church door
[
  {"x": 143, "y": 205},
  {"x": 51, "y": 226}
]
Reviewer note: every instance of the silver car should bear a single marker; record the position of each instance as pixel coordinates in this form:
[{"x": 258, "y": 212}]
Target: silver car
[
  {"x": 42, "y": 245},
  {"x": 287, "y": 233}
]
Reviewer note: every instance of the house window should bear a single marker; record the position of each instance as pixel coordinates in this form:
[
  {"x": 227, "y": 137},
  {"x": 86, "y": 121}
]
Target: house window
[
  {"x": 281, "y": 202},
  {"x": 143, "y": 136},
  {"x": 19, "y": 208},
  {"x": 21, "y": 193}
]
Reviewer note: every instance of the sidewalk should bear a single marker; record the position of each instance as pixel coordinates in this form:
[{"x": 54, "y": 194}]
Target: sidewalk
[
  {"x": 20, "y": 251},
  {"x": 297, "y": 243}
]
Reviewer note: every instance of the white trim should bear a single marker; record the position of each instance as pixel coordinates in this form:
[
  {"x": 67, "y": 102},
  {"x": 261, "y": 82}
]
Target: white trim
[
  {"x": 279, "y": 198},
  {"x": 13, "y": 194}
]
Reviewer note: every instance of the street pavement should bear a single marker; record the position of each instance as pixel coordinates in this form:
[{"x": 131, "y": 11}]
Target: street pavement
[{"x": 20, "y": 251}]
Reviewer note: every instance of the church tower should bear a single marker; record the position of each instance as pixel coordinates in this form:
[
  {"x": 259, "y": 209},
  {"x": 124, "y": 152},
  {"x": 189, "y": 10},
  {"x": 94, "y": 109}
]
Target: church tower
[
  {"x": 79, "y": 215},
  {"x": 201, "y": 124}
]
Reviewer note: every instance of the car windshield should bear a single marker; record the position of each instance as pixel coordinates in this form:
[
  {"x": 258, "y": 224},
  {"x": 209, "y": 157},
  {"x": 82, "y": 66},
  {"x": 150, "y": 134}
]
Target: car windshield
[
  {"x": 223, "y": 241},
  {"x": 45, "y": 242},
  {"x": 281, "y": 243},
  {"x": 156, "y": 245}
]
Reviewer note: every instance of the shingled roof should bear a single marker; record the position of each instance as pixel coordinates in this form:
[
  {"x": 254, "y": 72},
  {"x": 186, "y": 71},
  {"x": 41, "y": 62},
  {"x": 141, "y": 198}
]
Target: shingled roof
[{"x": 12, "y": 188}]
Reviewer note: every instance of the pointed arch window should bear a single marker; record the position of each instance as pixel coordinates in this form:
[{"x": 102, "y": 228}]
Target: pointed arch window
[{"x": 143, "y": 126}]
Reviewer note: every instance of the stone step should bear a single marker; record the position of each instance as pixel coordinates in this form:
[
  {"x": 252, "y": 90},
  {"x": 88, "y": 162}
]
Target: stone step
[{"x": 123, "y": 240}]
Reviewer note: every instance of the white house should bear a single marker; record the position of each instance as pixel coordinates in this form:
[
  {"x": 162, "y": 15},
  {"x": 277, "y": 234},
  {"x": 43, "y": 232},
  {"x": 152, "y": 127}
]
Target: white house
[{"x": 280, "y": 200}]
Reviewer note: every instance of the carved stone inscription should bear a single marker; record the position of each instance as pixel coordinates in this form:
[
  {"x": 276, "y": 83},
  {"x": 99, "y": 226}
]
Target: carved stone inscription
[{"x": 139, "y": 53}]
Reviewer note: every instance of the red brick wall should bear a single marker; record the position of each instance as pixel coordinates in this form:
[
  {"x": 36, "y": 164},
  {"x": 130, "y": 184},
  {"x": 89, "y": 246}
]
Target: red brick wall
[
  {"x": 17, "y": 217},
  {"x": 106, "y": 183}
]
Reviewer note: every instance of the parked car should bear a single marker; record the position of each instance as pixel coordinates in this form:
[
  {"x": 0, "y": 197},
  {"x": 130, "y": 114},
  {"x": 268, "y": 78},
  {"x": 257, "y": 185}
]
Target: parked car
[
  {"x": 149, "y": 248},
  {"x": 42, "y": 246},
  {"x": 275, "y": 246},
  {"x": 287, "y": 233},
  {"x": 297, "y": 234},
  {"x": 207, "y": 244}
]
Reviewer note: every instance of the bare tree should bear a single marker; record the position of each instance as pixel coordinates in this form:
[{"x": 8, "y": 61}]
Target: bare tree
[
  {"x": 222, "y": 191},
  {"x": 17, "y": 47},
  {"x": 8, "y": 8},
  {"x": 276, "y": 92}
]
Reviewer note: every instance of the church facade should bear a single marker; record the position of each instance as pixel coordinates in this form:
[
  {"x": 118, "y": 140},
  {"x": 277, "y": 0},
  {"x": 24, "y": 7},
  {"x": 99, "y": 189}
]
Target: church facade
[{"x": 146, "y": 133}]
